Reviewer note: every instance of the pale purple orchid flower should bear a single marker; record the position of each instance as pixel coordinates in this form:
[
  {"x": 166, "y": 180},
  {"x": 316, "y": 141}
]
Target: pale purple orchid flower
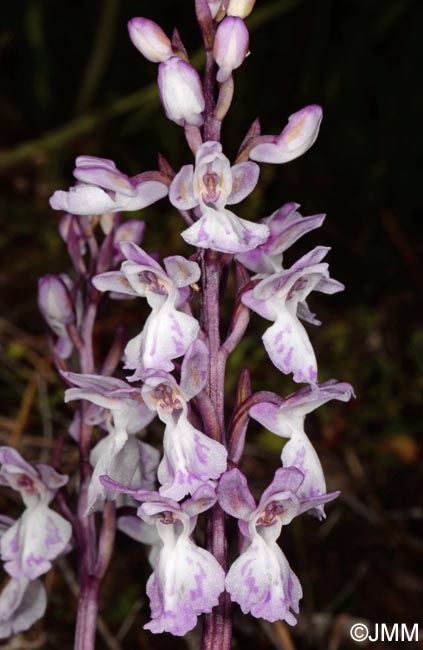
[
  {"x": 40, "y": 534},
  {"x": 190, "y": 457},
  {"x": 167, "y": 332},
  {"x": 210, "y": 186},
  {"x": 181, "y": 92},
  {"x": 22, "y": 603},
  {"x": 261, "y": 580},
  {"x": 297, "y": 137},
  {"x": 102, "y": 188},
  {"x": 230, "y": 46},
  {"x": 288, "y": 420},
  {"x": 149, "y": 38},
  {"x": 187, "y": 580},
  {"x": 281, "y": 298},
  {"x": 286, "y": 226},
  {"x": 119, "y": 454}
]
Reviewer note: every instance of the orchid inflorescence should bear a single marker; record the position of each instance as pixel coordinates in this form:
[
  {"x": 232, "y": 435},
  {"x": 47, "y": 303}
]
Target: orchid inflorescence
[{"x": 174, "y": 368}]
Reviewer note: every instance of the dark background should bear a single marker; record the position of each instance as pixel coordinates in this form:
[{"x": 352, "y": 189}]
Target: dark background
[{"x": 73, "y": 83}]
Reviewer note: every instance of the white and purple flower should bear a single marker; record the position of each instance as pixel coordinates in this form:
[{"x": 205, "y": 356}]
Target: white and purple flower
[
  {"x": 167, "y": 332},
  {"x": 286, "y": 226},
  {"x": 191, "y": 458},
  {"x": 103, "y": 189},
  {"x": 261, "y": 580},
  {"x": 187, "y": 580},
  {"x": 288, "y": 420},
  {"x": 281, "y": 297},
  {"x": 40, "y": 534},
  {"x": 119, "y": 454},
  {"x": 210, "y": 186}
]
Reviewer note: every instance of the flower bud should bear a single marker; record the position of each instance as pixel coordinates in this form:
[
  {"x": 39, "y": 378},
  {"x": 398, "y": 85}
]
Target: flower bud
[
  {"x": 54, "y": 301},
  {"x": 240, "y": 8},
  {"x": 297, "y": 137},
  {"x": 150, "y": 39},
  {"x": 215, "y": 6},
  {"x": 230, "y": 46},
  {"x": 181, "y": 92}
]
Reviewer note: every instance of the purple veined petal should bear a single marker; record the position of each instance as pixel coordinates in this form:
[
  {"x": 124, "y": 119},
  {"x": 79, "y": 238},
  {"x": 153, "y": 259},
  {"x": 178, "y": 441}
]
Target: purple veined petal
[
  {"x": 146, "y": 192},
  {"x": 194, "y": 370},
  {"x": 167, "y": 334},
  {"x": 312, "y": 258},
  {"x": 263, "y": 584},
  {"x": 244, "y": 179},
  {"x": 181, "y": 92},
  {"x": 98, "y": 383},
  {"x": 190, "y": 459},
  {"x": 225, "y": 232},
  {"x": 150, "y": 39},
  {"x": 230, "y": 46},
  {"x": 136, "y": 254},
  {"x": 267, "y": 415},
  {"x": 309, "y": 398},
  {"x": 13, "y": 462},
  {"x": 289, "y": 348},
  {"x": 234, "y": 495},
  {"x": 265, "y": 308},
  {"x": 294, "y": 230},
  {"x": 187, "y": 582},
  {"x": 181, "y": 271},
  {"x": 51, "y": 479},
  {"x": 114, "y": 281},
  {"x": 107, "y": 179},
  {"x": 287, "y": 481},
  {"x": 181, "y": 189},
  {"x": 329, "y": 286},
  {"x": 300, "y": 453},
  {"x": 38, "y": 537},
  {"x": 296, "y": 138},
  {"x": 314, "y": 505},
  {"x": 22, "y": 603},
  {"x": 201, "y": 501},
  {"x": 93, "y": 161}
]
